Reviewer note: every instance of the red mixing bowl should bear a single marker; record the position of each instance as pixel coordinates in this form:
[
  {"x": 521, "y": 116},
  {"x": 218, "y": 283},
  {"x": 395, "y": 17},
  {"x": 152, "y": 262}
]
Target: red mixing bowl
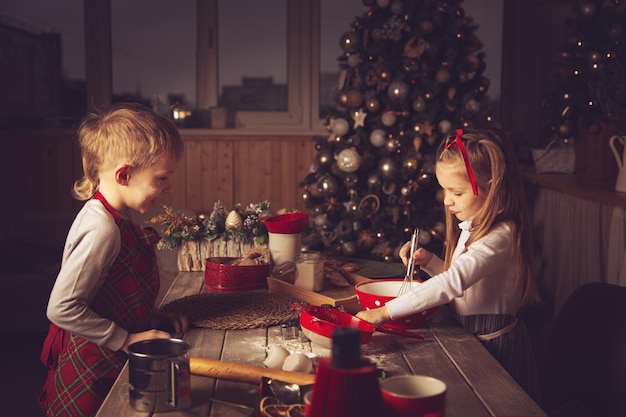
[
  {"x": 289, "y": 223},
  {"x": 318, "y": 323},
  {"x": 376, "y": 293}
]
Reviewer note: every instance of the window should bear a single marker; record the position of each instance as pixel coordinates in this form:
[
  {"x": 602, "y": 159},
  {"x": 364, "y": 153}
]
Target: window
[
  {"x": 42, "y": 63},
  {"x": 153, "y": 52},
  {"x": 272, "y": 63}
]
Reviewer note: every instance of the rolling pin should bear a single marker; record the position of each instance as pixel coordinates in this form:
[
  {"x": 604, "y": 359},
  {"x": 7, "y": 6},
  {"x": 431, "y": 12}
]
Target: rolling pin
[{"x": 245, "y": 373}]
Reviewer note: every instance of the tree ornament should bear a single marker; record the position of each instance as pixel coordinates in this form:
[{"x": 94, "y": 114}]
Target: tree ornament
[
  {"x": 202, "y": 215},
  {"x": 373, "y": 182},
  {"x": 342, "y": 98},
  {"x": 398, "y": 90},
  {"x": 378, "y": 138},
  {"x": 350, "y": 180},
  {"x": 444, "y": 127},
  {"x": 355, "y": 97},
  {"x": 350, "y": 42},
  {"x": 369, "y": 205},
  {"x": 387, "y": 168},
  {"x": 565, "y": 130},
  {"x": 419, "y": 104},
  {"x": 372, "y": 104},
  {"x": 383, "y": 3},
  {"x": 349, "y": 160},
  {"x": 396, "y": 7},
  {"x": 442, "y": 76},
  {"x": 410, "y": 65},
  {"x": 324, "y": 158},
  {"x": 393, "y": 145},
  {"x": 414, "y": 48},
  {"x": 233, "y": 221},
  {"x": 339, "y": 126},
  {"x": 410, "y": 164},
  {"x": 328, "y": 186},
  {"x": 426, "y": 27},
  {"x": 354, "y": 60},
  {"x": 389, "y": 187},
  {"x": 388, "y": 118},
  {"x": 359, "y": 118},
  {"x": 587, "y": 8},
  {"x": 417, "y": 143}
]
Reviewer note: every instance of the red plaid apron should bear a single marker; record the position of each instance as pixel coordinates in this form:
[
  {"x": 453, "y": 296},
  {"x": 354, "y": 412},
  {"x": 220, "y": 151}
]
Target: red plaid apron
[{"x": 81, "y": 373}]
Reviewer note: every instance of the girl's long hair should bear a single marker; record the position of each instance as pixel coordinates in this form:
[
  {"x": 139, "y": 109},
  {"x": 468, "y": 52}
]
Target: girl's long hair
[
  {"x": 497, "y": 173},
  {"x": 127, "y": 133}
]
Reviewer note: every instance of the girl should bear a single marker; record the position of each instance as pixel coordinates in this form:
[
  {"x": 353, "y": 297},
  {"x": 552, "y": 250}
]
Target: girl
[
  {"x": 486, "y": 274},
  {"x": 103, "y": 298}
]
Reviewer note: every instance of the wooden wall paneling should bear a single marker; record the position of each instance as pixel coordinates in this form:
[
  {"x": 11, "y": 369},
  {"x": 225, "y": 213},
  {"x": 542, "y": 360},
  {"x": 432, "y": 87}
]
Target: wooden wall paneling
[
  {"x": 287, "y": 179},
  {"x": 209, "y": 174},
  {"x": 224, "y": 188},
  {"x": 253, "y": 179},
  {"x": 193, "y": 179},
  {"x": 178, "y": 199}
]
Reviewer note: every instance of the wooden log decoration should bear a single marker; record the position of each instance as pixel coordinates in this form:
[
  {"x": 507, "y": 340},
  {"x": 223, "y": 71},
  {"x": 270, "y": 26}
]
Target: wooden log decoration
[
  {"x": 245, "y": 373},
  {"x": 192, "y": 255}
]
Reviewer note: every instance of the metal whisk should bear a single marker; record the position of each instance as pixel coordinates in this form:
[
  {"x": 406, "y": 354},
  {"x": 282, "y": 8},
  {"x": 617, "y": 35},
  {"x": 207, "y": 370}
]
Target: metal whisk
[{"x": 407, "y": 285}]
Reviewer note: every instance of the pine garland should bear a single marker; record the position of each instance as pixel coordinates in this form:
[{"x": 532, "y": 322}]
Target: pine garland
[{"x": 178, "y": 227}]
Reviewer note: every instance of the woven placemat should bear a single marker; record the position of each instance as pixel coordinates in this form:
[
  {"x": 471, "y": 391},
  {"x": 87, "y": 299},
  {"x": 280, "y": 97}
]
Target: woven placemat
[{"x": 238, "y": 310}]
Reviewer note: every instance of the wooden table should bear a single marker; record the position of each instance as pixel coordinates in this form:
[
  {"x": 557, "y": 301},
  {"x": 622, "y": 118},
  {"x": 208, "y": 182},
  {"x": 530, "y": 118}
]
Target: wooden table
[{"x": 477, "y": 385}]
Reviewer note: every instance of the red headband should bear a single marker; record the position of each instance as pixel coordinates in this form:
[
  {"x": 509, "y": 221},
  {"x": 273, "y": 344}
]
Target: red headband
[{"x": 470, "y": 172}]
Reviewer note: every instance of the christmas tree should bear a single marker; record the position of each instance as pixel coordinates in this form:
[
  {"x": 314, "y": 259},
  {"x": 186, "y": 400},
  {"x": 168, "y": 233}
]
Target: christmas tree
[
  {"x": 590, "y": 88},
  {"x": 412, "y": 72}
]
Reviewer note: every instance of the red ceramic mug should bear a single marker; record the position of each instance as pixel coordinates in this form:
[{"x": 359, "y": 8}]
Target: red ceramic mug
[{"x": 413, "y": 396}]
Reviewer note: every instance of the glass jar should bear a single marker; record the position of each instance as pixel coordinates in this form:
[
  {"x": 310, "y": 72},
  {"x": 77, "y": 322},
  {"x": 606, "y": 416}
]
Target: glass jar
[{"x": 310, "y": 270}]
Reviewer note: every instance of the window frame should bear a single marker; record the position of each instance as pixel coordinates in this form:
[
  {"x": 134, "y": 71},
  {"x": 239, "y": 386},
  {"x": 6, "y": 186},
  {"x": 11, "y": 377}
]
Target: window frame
[{"x": 303, "y": 21}]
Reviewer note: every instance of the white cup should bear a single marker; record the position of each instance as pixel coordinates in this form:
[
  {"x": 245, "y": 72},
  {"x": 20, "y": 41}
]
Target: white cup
[{"x": 283, "y": 247}]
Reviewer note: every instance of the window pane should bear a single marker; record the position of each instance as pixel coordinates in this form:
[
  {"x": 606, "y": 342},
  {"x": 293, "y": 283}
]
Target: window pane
[
  {"x": 42, "y": 63},
  {"x": 336, "y": 18},
  {"x": 252, "y": 49},
  {"x": 154, "y": 50}
]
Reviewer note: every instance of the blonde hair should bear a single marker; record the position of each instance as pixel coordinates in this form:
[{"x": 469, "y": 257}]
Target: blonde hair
[
  {"x": 127, "y": 133},
  {"x": 497, "y": 173}
]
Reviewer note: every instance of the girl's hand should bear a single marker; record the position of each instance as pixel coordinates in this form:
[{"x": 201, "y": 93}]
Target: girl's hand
[
  {"x": 378, "y": 315},
  {"x": 421, "y": 256}
]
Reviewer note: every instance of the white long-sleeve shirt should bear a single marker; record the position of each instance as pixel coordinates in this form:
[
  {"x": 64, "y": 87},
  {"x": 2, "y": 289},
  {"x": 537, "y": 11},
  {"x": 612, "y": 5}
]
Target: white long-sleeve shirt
[
  {"x": 93, "y": 242},
  {"x": 479, "y": 281}
]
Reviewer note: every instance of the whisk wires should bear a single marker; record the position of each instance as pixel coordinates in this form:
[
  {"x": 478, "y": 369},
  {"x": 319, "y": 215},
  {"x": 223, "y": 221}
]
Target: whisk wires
[{"x": 407, "y": 285}]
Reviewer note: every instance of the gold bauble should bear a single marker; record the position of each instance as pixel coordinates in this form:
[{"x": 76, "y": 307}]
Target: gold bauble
[{"x": 233, "y": 221}]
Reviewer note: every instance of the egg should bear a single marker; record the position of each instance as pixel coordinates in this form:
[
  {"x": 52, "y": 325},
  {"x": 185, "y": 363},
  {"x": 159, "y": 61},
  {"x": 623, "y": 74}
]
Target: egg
[
  {"x": 298, "y": 362},
  {"x": 276, "y": 357}
]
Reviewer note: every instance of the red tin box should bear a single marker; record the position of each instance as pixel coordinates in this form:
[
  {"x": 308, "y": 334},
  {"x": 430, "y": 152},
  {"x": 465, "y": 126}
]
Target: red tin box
[{"x": 221, "y": 276}]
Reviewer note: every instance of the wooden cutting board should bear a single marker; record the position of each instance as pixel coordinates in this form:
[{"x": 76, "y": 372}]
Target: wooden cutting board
[{"x": 330, "y": 294}]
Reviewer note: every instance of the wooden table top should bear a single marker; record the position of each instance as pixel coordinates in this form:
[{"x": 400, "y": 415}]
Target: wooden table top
[{"x": 477, "y": 384}]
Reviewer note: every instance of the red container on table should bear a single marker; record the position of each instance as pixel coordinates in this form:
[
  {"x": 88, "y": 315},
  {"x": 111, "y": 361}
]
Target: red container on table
[{"x": 221, "y": 276}]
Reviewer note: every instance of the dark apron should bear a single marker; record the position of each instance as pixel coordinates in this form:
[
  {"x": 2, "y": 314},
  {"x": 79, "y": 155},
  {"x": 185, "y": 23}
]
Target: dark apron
[{"x": 81, "y": 373}]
